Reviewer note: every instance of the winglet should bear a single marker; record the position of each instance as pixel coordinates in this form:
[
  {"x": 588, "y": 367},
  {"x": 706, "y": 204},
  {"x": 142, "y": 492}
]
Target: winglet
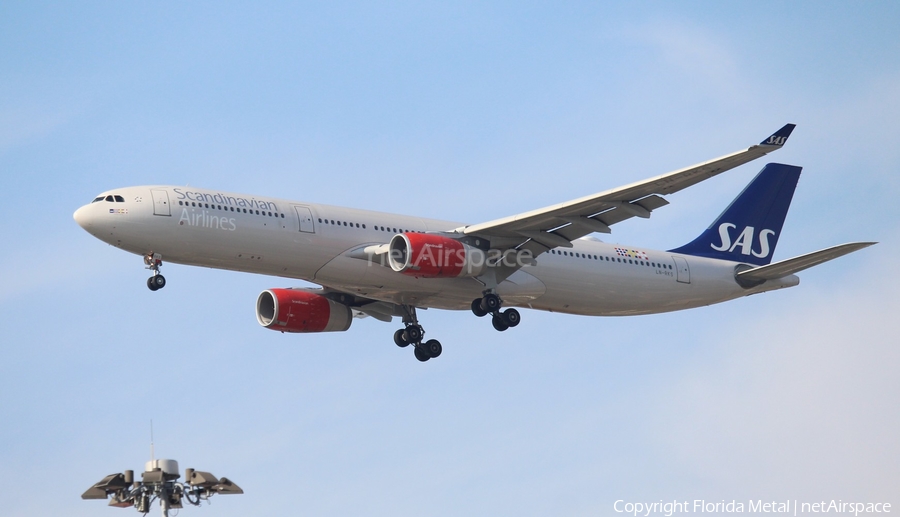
[{"x": 779, "y": 137}]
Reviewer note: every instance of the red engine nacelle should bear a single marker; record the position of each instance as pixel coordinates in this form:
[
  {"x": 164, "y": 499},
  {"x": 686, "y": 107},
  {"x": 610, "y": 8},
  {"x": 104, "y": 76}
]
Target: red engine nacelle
[
  {"x": 434, "y": 256},
  {"x": 298, "y": 310}
]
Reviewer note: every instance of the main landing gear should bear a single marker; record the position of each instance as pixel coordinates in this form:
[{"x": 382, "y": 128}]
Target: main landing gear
[
  {"x": 413, "y": 333},
  {"x": 153, "y": 261},
  {"x": 490, "y": 303}
]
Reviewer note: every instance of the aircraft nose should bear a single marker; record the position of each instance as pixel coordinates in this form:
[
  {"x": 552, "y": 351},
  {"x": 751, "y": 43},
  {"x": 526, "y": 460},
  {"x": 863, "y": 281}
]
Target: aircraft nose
[{"x": 82, "y": 218}]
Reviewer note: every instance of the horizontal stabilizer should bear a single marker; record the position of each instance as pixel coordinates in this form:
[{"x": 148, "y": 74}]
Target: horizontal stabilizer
[{"x": 755, "y": 276}]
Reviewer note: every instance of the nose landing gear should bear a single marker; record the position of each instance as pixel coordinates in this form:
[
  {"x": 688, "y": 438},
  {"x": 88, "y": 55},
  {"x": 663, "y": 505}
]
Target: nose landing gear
[
  {"x": 490, "y": 303},
  {"x": 153, "y": 261}
]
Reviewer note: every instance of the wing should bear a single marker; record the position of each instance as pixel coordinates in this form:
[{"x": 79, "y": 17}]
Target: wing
[{"x": 558, "y": 225}]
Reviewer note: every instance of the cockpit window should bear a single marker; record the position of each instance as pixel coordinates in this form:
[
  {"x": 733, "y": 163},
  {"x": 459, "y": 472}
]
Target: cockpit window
[
  {"x": 119, "y": 199},
  {"x": 109, "y": 198},
  {"x": 100, "y": 198}
]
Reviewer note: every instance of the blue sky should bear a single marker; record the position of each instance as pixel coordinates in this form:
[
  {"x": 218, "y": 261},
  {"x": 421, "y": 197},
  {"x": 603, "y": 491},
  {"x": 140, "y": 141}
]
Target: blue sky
[{"x": 469, "y": 112}]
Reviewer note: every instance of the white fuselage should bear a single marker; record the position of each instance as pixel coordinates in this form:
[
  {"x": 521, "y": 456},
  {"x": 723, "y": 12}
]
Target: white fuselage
[{"x": 314, "y": 242}]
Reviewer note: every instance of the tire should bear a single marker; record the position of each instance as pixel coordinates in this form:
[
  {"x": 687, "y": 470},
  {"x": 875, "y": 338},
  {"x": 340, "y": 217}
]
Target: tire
[
  {"x": 413, "y": 333},
  {"x": 151, "y": 284},
  {"x": 433, "y": 347},
  {"x": 477, "y": 309},
  {"x": 490, "y": 302},
  {"x": 399, "y": 338},
  {"x": 498, "y": 323},
  {"x": 422, "y": 355},
  {"x": 159, "y": 280},
  {"x": 511, "y": 317}
]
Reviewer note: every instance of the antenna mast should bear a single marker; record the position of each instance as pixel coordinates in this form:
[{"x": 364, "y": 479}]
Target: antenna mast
[{"x": 152, "y": 455}]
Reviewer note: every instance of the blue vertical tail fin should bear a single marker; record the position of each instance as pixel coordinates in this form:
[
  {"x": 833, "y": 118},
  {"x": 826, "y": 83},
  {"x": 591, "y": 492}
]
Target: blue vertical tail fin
[{"x": 748, "y": 230}]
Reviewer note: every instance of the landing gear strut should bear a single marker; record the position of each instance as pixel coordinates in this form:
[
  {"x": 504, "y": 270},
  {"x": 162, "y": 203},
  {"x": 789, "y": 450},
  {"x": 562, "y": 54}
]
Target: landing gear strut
[
  {"x": 153, "y": 261},
  {"x": 490, "y": 303},
  {"x": 413, "y": 333}
]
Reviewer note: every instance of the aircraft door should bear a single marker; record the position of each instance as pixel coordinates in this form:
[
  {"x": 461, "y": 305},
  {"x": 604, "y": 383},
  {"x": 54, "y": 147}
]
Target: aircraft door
[
  {"x": 682, "y": 271},
  {"x": 305, "y": 218},
  {"x": 160, "y": 202}
]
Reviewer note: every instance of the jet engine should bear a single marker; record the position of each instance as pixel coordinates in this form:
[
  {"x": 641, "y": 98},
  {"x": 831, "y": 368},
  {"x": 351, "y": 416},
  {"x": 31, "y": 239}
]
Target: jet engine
[
  {"x": 301, "y": 310},
  {"x": 434, "y": 256}
]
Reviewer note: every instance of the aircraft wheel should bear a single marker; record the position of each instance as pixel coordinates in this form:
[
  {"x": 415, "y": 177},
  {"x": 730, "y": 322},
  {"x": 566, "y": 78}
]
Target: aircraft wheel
[
  {"x": 159, "y": 281},
  {"x": 498, "y": 323},
  {"x": 511, "y": 317},
  {"x": 151, "y": 284},
  {"x": 477, "y": 309},
  {"x": 399, "y": 338},
  {"x": 422, "y": 355},
  {"x": 490, "y": 302},
  {"x": 433, "y": 347},
  {"x": 413, "y": 333}
]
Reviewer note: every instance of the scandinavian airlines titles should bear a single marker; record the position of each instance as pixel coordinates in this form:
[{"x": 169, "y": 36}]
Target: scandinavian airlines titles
[{"x": 203, "y": 219}]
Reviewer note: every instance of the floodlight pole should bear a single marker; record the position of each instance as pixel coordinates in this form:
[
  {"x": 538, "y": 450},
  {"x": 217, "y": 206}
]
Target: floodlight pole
[{"x": 159, "y": 481}]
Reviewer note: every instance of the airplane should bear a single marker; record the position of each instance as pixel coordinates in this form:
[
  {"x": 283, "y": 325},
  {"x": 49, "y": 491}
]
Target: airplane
[{"x": 384, "y": 265}]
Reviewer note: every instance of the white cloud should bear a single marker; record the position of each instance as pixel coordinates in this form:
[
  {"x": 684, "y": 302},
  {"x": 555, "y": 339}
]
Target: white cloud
[
  {"x": 802, "y": 403},
  {"x": 695, "y": 55}
]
